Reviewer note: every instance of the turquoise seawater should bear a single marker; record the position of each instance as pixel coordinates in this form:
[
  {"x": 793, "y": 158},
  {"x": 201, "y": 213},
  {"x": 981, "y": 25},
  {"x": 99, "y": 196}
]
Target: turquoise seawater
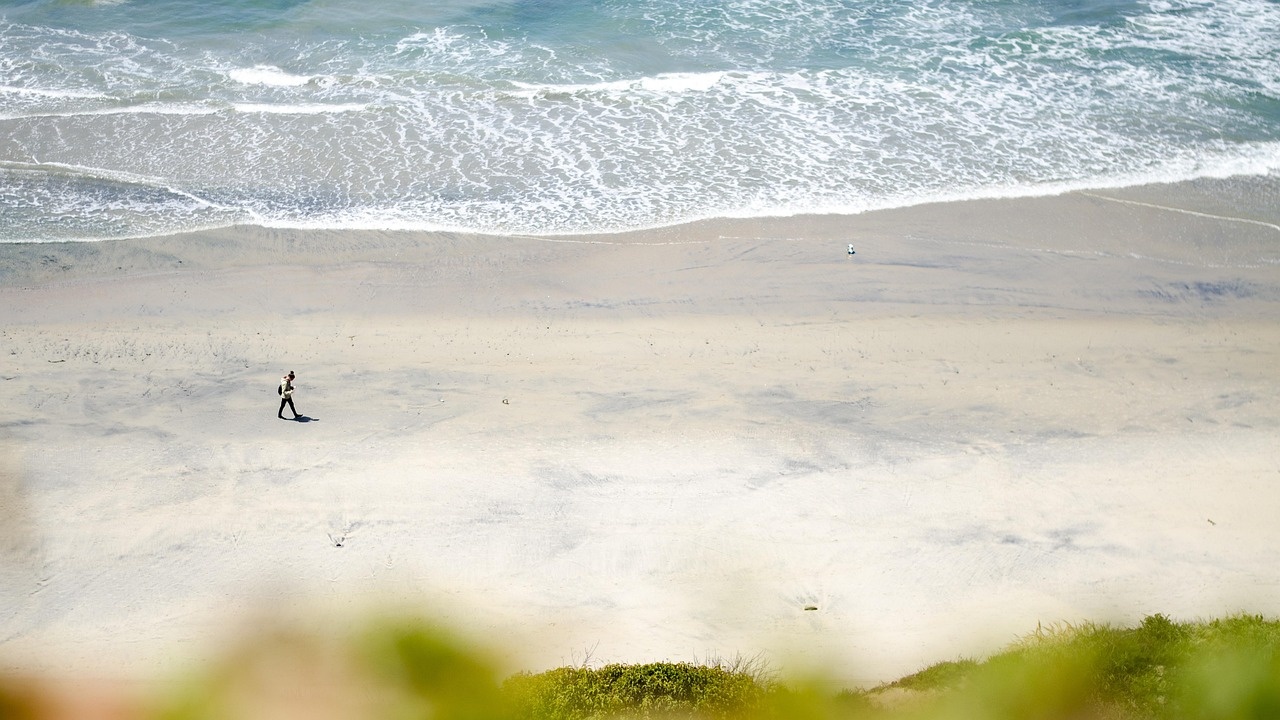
[{"x": 147, "y": 117}]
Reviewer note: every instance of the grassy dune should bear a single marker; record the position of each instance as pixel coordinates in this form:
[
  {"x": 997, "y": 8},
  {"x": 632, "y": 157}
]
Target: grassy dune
[{"x": 1227, "y": 668}]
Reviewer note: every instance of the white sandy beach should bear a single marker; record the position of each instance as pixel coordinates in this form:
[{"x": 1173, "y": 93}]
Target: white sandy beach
[{"x": 663, "y": 445}]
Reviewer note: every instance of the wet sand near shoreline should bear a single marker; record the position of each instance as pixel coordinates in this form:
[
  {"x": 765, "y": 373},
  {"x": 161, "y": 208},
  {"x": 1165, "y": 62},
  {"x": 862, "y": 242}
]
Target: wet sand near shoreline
[{"x": 662, "y": 445}]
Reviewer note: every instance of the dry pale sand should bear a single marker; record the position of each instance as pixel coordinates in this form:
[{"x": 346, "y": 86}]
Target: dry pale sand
[{"x": 662, "y": 445}]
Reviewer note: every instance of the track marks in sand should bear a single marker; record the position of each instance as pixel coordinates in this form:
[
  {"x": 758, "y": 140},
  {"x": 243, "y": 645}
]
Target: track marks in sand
[
  {"x": 1184, "y": 211},
  {"x": 135, "y": 346}
]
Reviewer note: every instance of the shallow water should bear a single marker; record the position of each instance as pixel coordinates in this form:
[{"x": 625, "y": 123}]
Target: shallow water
[{"x": 137, "y": 118}]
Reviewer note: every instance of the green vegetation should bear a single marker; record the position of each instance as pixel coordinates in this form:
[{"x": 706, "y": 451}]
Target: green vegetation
[
  {"x": 655, "y": 689},
  {"x": 1225, "y": 669},
  {"x": 936, "y": 677}
]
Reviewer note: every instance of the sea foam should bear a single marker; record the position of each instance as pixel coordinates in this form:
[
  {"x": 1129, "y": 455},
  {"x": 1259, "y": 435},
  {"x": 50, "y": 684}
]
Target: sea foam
[
  {"x": 598, "y": 117},
  {"x": 267, "y": 75}
]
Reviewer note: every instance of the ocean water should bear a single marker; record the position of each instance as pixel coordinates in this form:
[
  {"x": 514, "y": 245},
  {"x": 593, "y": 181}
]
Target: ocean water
[{"x": 133, "y": 118}]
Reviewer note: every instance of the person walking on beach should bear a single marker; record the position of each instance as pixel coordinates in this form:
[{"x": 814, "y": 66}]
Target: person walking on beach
[{"x": 286, "y": 396}]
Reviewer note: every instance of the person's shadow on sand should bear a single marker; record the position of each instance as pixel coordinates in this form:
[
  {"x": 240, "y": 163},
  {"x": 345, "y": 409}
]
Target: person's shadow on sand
[{"x": 304, "y": 418}]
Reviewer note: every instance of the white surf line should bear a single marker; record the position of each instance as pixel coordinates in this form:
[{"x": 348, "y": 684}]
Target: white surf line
[
  {"x": 123, "y": 176},
  {"x": 567, "y": 241},
  {"x": 1184, "y": 211}
]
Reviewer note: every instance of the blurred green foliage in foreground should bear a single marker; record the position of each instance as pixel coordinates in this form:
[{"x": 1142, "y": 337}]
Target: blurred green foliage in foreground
[{"x": 1225, "y": 669}]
